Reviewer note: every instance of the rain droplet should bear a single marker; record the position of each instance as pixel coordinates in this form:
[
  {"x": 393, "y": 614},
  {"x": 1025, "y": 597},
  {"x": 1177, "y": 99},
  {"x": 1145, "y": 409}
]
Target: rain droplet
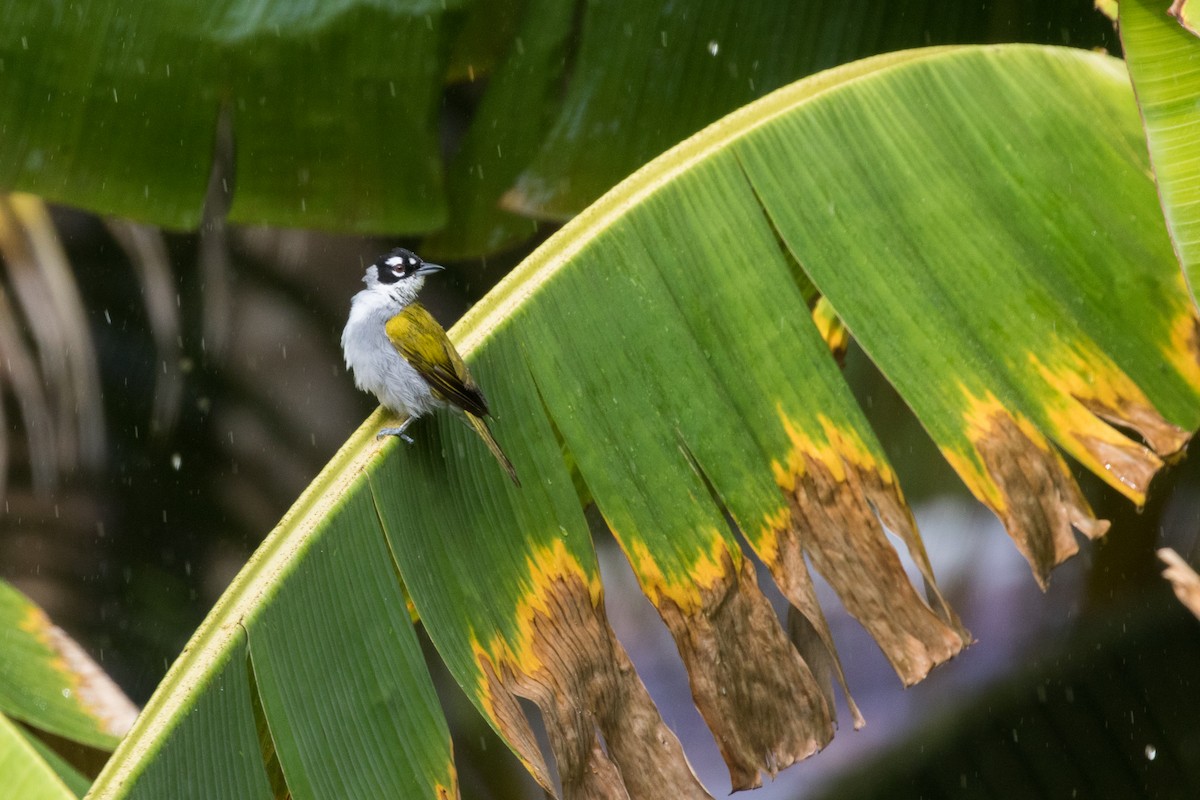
[
  {"x": 713, "y": 48},
  {"x": 176, "y": 461},
  {"x": 1151, "y": 752}
]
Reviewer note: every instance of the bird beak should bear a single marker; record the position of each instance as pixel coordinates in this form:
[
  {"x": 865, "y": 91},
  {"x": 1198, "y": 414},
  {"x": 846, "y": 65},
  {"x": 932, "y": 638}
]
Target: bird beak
[{"x": 429, "y": 269}]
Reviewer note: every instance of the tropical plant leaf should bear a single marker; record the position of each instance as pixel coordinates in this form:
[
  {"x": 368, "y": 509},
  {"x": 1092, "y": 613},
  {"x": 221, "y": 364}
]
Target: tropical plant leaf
[
  {"x": 333, "y": 108},
  {"x": 1164, "y": 65},
  {"x": 26, "y": 770},
  {"x": 50, "y": 684},
  {"x": 706, "y": 59},
  {"x": 506, "y": 130},
  {"x": 1072, "y": 360},
  {"x": 481, "y": 43},
  {"x": 983, "y": 221},
  {"x": 307, "y": 678},
  {"x": 51, "y": 689},
  {"x": 358, "y": 120}
]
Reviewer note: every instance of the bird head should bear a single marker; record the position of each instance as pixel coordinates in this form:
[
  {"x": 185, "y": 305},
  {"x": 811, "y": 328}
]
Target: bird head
[{"x": 400, "y": 273}]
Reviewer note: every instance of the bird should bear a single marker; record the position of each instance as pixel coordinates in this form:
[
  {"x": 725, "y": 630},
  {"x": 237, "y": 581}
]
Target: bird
[{"x": 399, "y": 353}]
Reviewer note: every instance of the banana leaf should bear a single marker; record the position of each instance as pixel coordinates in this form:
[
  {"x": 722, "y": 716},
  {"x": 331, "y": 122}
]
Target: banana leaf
[
  {"x": 1164, "y": 64},
  {"x": 50, "y": 692},
  {"x": 329, "y": 115},
  {"x": 984, "y": 222}
]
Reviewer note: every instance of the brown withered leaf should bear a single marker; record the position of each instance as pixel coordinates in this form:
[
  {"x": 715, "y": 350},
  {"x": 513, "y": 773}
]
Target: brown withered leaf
[
  {"x": 834, "y": 521},
  {"x": 1183, "y": 578},
  {"x": 1049, "y": 502},
  {"x": 586, "y": 688},
  {"x": 757, "y": 695}
]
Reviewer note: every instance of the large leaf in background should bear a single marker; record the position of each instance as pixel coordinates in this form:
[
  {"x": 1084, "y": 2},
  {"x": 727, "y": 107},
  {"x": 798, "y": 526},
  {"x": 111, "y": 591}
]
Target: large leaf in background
[
  {"x": 113, "y": 106},
  {"x": 696, "y": 61},
  {"x": 1010, "y": 274},
  {"x": 1164, "y": 65},
  {"x": 50, "y": 688},
  {"x": 49, "y": 683},
  {"x": 333, "y": 109},
  {"x": 506, "y": 130}
]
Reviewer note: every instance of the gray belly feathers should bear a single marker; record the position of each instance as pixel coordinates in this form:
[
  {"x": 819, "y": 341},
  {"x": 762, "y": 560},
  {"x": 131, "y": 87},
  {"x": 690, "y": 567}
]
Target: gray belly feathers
[{"x": 377, "y": 366}]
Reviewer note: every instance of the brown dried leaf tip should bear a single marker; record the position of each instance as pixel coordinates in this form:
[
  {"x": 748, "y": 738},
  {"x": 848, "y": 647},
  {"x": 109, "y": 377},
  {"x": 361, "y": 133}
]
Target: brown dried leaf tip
[
  {"x": 1087, "y": 394},
  {"x": 839, "y": 496},
  {"x": 1183, "y": 578},
  {"x": 1016, "y": 473},
  {"x": 759, "y": 698},
  {"x": 568, "y": 661}
]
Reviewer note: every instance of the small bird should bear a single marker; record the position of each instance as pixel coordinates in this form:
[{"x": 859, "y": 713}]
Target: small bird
[{"x": 400, "y": 353}]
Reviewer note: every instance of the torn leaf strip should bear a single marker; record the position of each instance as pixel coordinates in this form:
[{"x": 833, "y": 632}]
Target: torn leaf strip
[
  {"x": 568, "y": 661},
  {"x": 837, "y": 492},
  {"x": 1093, "y": 392},
  {"x": 1011, "y": 468},
  {"x": 756, "y": 694}
]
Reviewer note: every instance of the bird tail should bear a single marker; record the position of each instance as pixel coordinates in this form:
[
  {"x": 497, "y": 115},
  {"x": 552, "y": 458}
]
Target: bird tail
[{"x": 481, "y": 427}]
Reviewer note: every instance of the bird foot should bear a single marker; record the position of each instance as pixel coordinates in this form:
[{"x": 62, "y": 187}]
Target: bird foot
[{"x": 394, "y": 432}]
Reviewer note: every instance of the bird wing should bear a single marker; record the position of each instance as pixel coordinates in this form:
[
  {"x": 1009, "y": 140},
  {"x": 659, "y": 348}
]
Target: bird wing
[{"x": 423, "y": 343}]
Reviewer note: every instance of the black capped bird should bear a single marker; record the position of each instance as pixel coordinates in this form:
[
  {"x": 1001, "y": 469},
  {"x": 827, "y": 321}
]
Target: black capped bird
[{"x": 400, "y": 353}]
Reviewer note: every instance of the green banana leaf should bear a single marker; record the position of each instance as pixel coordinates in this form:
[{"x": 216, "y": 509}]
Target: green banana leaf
[
  {"x": 984, "y": 222},
  {"x": 1164, "y": 64},
  {"x": 327, "y": 121},
  {"x": 28, "y": 772},
  {"x": 50, "y": 688},
  {"x": 333, "y": 110},
  {"x": 49, "y": 683}
]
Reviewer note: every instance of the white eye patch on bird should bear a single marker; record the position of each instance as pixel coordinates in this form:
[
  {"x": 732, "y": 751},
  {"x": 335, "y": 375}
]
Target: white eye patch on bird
[
  {"x": 400, "y": 353},
  {"x": 400, "y": 264}
]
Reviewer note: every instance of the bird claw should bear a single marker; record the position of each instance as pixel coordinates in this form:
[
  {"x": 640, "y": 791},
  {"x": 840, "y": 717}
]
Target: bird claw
[{"x": 394, "y": 432}]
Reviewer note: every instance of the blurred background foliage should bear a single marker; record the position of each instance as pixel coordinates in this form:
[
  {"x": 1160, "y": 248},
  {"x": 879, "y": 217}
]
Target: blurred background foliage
[{"x": 188, "y": 385}]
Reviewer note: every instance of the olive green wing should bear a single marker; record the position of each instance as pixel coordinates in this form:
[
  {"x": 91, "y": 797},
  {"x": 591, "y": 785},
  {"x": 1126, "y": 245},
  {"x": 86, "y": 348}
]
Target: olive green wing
[{"x": 418, "y": 337}]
